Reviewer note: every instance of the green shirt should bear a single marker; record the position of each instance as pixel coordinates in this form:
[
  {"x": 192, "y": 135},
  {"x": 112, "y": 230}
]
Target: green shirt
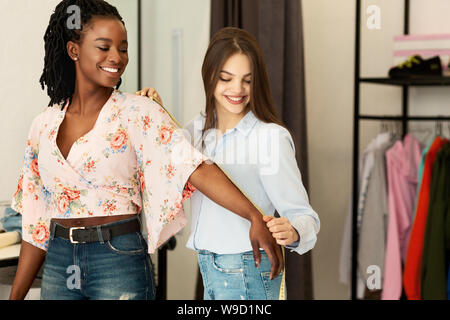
[{"x": 437, "y": 234}]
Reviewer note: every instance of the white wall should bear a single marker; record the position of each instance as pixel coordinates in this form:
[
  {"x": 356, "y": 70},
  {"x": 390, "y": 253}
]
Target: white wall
[
  {"x": 329, "y": 29},
  {"x": 128, "y": 9},
  {"x": 23, "y": 25}
]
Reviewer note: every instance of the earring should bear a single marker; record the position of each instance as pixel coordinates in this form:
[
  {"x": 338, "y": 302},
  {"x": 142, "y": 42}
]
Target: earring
[{"x": 75, "y": 58}]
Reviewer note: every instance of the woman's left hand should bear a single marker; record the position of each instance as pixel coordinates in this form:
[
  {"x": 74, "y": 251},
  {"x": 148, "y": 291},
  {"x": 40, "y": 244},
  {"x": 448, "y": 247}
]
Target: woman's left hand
[
  {"x": 282, "y": 230},
  {"x": 151, "y": 93}
]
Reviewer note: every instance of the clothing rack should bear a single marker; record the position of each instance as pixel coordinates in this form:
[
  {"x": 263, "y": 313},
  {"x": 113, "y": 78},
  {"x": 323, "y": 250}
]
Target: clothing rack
[{"x": 404, "y": 118}]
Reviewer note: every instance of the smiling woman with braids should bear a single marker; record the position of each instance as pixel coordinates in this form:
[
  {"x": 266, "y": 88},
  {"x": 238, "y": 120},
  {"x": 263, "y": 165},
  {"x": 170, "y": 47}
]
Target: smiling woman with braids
[{"x": 95, "y": 158}]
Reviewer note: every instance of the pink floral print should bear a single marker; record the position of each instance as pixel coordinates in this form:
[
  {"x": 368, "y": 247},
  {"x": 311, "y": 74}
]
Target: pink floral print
[{"x": 124, "y": 165}]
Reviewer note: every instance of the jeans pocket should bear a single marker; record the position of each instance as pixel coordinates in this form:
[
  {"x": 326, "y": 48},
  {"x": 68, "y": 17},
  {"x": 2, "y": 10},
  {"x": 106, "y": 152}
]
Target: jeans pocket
[
  {"x": 228, "y": 263},
  {"x": 272, "y": 287},
  {"x": 130, "y": 244}
]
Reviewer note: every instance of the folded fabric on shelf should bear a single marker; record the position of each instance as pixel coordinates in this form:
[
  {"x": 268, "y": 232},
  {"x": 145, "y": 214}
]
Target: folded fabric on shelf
[
  {"x": 12, "y": 221},
  {"x": 9, "y": 238}
]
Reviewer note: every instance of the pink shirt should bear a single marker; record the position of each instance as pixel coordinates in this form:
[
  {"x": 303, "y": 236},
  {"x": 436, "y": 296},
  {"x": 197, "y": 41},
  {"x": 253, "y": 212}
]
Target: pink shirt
[
  {"x": 402, "y": 162},
  {"x": 134, "y": 158}
]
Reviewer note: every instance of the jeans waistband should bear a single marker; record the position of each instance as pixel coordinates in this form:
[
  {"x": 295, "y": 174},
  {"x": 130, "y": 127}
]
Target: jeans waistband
[{"x": 246, "y": 253}]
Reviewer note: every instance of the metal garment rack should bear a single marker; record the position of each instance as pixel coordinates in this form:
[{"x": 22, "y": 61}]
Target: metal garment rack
[{"x": 404, "y": 118}]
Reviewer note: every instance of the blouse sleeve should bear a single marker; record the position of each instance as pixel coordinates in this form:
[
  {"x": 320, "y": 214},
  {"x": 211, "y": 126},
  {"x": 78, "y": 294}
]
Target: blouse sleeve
[
  {"x": 31, "y": 198},
  {"x": 284, "y": 187},
  {"x": 166, "y": 160}
]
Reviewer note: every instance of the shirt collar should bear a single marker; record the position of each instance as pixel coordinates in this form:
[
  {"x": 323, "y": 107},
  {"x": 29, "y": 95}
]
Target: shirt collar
[{"x": 246, "y": 123}]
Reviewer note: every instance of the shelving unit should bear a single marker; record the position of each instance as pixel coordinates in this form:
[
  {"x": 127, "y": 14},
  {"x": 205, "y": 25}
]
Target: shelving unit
[
  {"x": 404, "y": 118},
  {"x": 419, "y": 81}
]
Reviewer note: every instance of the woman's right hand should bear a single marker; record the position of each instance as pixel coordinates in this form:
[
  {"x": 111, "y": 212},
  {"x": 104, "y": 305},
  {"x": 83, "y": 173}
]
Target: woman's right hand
[
  {"x": 260, "y": 237},
  {"x": 151, "y": 93}
]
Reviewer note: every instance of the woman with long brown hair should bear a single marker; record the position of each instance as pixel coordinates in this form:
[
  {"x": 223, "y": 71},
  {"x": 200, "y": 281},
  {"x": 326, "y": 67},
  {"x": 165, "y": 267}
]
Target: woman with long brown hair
[{"x": 241, "y": 132}]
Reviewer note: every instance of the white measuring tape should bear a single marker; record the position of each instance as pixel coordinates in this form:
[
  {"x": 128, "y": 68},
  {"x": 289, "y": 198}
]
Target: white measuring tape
[{"x": 282, "y": 295}]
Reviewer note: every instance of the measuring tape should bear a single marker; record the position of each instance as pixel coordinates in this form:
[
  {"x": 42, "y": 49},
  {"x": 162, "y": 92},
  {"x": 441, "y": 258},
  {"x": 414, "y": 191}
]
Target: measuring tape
[{"x": 282, "y": 295}]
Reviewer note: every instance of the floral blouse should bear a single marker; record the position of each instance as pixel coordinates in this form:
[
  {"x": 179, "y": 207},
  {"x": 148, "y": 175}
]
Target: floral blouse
[{"x": 135, "y": 157}]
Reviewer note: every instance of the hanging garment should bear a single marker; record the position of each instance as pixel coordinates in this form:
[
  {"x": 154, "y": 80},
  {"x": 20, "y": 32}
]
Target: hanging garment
[
  {"x": 437, "y": 233},
  {"x": 420, "y": 173},
  {"x": 402, "y": 162},
  {"x": 365, "y": 166},
  {"x": 372, "y": 236},
  {"x": 411, "y": 273},
  {"x": 134, "y": 148},
  {"x": 9, "y": 238}
]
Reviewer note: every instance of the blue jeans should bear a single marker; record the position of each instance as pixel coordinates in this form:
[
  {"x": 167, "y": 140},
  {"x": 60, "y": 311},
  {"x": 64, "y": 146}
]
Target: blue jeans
[
  {"x": 235, "y": 277},
  {"x": 117, "y": 269}
]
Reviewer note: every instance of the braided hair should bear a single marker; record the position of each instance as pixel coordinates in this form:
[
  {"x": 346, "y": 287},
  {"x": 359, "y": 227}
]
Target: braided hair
[{"x": 59, "y": 69}]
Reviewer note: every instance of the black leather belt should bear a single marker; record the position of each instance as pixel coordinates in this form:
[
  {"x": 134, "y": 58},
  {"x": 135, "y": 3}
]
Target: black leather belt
[{"x": 91, "y": 234}]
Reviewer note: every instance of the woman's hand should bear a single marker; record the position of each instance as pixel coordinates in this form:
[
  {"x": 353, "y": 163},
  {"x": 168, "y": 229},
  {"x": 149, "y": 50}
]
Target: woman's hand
[
  {"x": 282, "y": 230},
  {"x": 151, "y": 93}
]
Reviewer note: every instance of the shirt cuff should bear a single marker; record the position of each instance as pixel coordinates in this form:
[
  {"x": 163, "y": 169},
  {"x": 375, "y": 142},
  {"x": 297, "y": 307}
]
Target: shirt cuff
[{"x": 307, "y": 230}]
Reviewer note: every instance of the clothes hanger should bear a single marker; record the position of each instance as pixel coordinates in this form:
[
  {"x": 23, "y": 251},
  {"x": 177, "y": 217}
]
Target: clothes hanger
[
  {"x": 448, "y": 129},
  {"x": 383, "y": 127},
  {"x": 438, "y": 128},
  {"x": 428, "y": 131},
  {"x": 394, "y": 130}
]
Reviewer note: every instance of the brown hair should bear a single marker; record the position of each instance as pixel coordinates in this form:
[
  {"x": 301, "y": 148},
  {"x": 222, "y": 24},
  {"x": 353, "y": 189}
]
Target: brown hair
[{"x": 225, "y": 43}]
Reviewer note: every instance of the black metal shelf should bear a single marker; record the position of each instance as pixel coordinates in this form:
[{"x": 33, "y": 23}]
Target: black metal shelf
[
  {"x": 399, "y": 118},
  {"x": 9, "y": 262},
  {"x": 418, "y": 81},
  {"x": 404, "y": 118}
]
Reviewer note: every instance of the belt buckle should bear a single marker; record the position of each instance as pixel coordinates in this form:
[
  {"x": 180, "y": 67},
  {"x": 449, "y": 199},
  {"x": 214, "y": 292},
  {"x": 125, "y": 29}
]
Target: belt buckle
[{"x": 70, "y": 234}]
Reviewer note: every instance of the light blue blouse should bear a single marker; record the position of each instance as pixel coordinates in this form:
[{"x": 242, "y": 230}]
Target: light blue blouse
[{"x": 260, "y": 158}]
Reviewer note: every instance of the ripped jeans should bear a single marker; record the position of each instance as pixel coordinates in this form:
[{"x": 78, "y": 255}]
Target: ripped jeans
[
  {"x": 119, "y": 269},
  {"x": 235, "y": 277}
]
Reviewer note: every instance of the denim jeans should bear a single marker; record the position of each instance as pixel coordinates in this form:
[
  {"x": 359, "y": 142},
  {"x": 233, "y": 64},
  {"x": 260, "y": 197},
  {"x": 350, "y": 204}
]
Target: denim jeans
[
  {"x": 235, "y": 277},
  {"x": 117, "y": 269}
]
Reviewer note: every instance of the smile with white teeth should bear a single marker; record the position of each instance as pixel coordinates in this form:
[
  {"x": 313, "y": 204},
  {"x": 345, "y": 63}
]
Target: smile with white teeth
[
  {"x": 110, "y": 69},
  {"x": 236, "y": 99}
]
